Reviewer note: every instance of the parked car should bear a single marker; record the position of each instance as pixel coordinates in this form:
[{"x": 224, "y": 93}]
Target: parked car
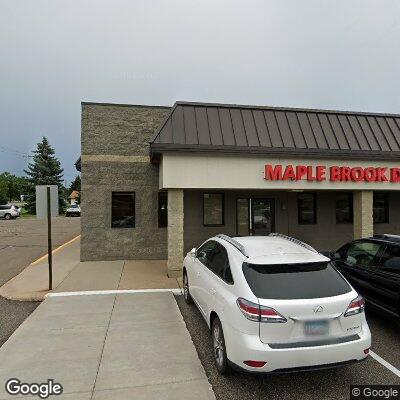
[
  {"x": 274, "y": 304},
  {"x": 9, "y": 211},
  {"x": 73, "y": 211},
  {"x": 372, "y": 266}
]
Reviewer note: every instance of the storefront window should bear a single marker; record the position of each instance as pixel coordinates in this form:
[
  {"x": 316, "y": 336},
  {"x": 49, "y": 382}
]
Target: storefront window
[
  {"x": 344, "y": 208},
  {"x": 306, "y": 205},
  {"x": 162, "y": 209},
  {"x": 123, "y": 210},
  {"x": 213, "y": 209},
  {"x": 381, "y": 208}
]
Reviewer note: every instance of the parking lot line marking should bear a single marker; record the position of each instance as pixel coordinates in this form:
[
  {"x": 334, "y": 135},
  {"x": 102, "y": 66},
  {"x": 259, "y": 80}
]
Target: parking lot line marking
[
  {"x": 389, "y": 366},
  {"x": 104, "y": 292},
  {"x": 57, "y": 249}
]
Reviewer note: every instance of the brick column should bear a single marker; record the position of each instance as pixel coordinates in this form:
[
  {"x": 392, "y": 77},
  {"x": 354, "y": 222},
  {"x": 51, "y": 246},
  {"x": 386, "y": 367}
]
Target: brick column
[
  {"x": 175, "y": 232},
  {"x": 363, "y": 214}
]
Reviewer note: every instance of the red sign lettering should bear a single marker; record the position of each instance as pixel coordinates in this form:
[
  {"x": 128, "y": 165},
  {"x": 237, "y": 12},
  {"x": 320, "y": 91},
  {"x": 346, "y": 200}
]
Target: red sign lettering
[{"x": 335, "y": 173}]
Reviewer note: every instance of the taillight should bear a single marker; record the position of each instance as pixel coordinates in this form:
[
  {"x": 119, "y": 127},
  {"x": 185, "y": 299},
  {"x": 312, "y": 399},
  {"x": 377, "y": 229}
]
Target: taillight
[
  {"x": 255, "y": 312},
  {"x": 356, "y": 306},
  {"x": 255, "y": 364}
]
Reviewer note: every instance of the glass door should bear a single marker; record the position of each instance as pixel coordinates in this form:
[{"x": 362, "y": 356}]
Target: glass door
[{"x": 255, "y": 216}]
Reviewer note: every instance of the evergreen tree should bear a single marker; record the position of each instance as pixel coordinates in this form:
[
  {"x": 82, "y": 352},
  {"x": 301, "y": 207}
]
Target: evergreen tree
[
  {"x": 75, "y": 184},
  {"x": 45, "y": 169}
]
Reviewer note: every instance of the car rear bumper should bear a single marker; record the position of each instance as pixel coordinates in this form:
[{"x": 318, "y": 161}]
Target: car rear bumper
[{"x": 241, "y": 347}]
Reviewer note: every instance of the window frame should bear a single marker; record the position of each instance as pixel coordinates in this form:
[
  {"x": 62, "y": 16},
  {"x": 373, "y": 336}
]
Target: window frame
[
  {"x": 386, "y": 204},
  {"x": 351, "y": 201},
  {"x": 376, "y": 257},
  {"x": 134, "y": 209},
  {"x": 223, "y": 208},
  {"x": 160, "y": 194},
  {"x": 315, "y": 220}
]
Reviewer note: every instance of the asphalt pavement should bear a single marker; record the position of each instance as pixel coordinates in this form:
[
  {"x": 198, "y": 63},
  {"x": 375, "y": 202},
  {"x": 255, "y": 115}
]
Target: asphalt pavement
[
  {"x": 22, "y": 241},
  {"x": 316, "y": 385}
]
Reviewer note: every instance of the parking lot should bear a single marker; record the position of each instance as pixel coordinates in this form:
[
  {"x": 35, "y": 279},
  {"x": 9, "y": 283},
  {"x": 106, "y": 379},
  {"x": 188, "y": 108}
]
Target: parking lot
[
  {"x": 323, "y": 384},
  {"x": 22, "y": 241}
]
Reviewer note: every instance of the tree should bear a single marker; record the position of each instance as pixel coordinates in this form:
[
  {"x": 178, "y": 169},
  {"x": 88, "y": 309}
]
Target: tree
[
  {"x": 75, "y": 184},
  {"x": 45, "y": 169},
  {"x": 11, "y": 187}
]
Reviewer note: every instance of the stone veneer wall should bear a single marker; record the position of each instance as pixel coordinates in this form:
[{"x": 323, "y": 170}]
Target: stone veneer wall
[{"x": 115, "y": 157}]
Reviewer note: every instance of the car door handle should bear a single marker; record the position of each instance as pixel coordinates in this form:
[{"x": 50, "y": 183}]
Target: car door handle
[{"x": 213, "y": 291}]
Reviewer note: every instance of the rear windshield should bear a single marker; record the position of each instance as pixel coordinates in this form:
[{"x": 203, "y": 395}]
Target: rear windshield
[{"x": 295, "y": 281}]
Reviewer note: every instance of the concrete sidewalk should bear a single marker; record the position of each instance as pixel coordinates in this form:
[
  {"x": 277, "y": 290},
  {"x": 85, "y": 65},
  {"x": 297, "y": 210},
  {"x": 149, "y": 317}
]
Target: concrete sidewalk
[
  {"x": 71, "y": 275},
  {"x": 119, "y": 347}
]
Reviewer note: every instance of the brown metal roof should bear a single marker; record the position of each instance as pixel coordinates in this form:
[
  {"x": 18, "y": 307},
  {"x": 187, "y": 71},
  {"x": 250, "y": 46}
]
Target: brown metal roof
[{"x": 204, "y": 127}]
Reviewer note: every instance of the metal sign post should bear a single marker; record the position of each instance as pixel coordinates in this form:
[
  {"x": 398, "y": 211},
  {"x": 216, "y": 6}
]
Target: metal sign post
[
  {"x": 46, "y": 208},
  {"x": 49, "y": 244}
]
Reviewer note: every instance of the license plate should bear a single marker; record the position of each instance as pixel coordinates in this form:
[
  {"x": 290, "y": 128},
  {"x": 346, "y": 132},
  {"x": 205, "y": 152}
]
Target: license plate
[{"x": 313, "y": 328}]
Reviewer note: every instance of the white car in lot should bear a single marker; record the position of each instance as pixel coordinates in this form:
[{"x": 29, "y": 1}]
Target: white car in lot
[
  {"x": 9, "y": 211},
  {"x": 274, "y": 304}
]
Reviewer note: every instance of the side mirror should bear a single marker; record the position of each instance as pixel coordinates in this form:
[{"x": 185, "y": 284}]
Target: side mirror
[
  {"x": 334, "y": 256},
  {"x": 193, "y": 252}
]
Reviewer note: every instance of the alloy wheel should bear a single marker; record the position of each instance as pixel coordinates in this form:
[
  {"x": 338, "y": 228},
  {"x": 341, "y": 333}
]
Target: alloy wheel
[{"x": 218, "y": 345}]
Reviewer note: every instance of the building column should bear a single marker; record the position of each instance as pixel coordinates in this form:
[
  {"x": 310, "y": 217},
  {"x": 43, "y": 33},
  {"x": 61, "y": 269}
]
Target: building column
[
  {"x": 363, "y": 214},
  {"x": 175, "y": 232}
]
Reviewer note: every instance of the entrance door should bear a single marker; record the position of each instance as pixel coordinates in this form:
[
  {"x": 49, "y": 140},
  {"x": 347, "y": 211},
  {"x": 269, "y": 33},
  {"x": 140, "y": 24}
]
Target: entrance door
[{"x": 255, "y": 216}]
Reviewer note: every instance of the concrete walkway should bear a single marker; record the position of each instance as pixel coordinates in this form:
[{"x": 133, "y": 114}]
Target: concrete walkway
[
  {"x": 119, "y": 347},
  {"x": 70, "y": 275}
]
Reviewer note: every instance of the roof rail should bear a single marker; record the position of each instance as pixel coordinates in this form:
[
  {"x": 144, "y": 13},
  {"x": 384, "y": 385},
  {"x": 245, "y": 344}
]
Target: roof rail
[
  {"x": 233, "y": 242},
  {"x": 293, "y": 240}
]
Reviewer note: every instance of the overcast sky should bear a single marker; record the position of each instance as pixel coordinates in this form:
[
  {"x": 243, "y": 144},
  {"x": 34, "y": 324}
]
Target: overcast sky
[{"x": 312, "y": 53}]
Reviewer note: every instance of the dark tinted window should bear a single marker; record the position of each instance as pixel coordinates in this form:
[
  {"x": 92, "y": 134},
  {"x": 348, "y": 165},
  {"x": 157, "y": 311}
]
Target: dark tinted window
[
  {"x": 381, "y": 208},
  {"x": 123, "y": 210},
  {"x": 162, "y": 209},
  {"x": 391, "y": 258},
  {"x": 213, "y": 209},
  {"x": 294, "y": 281},
  {"x": 215, "y": 257},
  {"x": 205, "y": 253},
  {"x": 344, "y": 208},
  {"x": 4, "y": 207},
  {"x": 362, "y": 254},
  {"x": 306, "y": 206}
]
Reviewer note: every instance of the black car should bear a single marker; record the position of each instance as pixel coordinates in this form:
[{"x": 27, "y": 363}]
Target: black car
[{"x": 372, "y": 266}]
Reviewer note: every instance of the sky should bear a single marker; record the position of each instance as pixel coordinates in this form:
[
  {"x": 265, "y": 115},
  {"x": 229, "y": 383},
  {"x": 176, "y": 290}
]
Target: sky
[{"x": 337, "y": 54}]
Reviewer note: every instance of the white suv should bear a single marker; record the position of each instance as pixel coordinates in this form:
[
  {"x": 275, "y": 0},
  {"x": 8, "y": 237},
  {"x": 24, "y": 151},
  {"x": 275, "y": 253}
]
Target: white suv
[
  {"x": 274, "y": 303},
  {"x": 9, "y": 212}
]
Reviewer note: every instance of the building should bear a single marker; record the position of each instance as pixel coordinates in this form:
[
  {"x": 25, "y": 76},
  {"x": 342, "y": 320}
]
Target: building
[
  {"x": 74, "y": 198},
  {"x": 157, "y": 181}
]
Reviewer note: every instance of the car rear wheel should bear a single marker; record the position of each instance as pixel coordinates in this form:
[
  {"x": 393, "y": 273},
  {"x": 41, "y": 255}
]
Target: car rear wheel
[
  {"x": 7, "y": 216},
  {"x": 186, "y": 292},
  {"x": 219, "y": 349}
]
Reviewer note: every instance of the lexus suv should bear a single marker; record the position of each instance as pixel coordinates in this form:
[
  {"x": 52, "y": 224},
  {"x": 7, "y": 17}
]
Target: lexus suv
[{"x": 274, "y": 304}]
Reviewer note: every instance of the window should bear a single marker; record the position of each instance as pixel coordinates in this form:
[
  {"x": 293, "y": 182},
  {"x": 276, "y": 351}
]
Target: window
[
  {"x": 213, "y": 209},
  {"x": 307, "y": 206},
  {"x": 123, "y": 210},
  {"x": 381, "y": 208},
  {"x": 205, "y": 252},
  {"x": 162, "y": 209},
  {"x": 391, "y": 258},
  {"x": 214, "y": 256},
  {"x": 344, "y": 208},
  {"x": 362, "y": 254},
  {"x": 294, "y": 281}
]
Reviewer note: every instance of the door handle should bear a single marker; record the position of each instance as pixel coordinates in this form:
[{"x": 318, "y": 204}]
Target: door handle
[{"x": 213, "y": 291}]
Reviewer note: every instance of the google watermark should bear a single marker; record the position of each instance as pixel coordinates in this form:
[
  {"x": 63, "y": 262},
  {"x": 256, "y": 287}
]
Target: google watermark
[
  {"x": 43, "y": 390},
  {"x": 373, "y": 392}
]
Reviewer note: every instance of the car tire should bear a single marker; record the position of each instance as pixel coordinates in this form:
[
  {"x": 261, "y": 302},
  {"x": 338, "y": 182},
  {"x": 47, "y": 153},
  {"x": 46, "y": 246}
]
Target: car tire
[
  {"x": 219, "y": 348},
  {"x": 186, "y": 291},
  {"x": 7, "y": 216}
]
